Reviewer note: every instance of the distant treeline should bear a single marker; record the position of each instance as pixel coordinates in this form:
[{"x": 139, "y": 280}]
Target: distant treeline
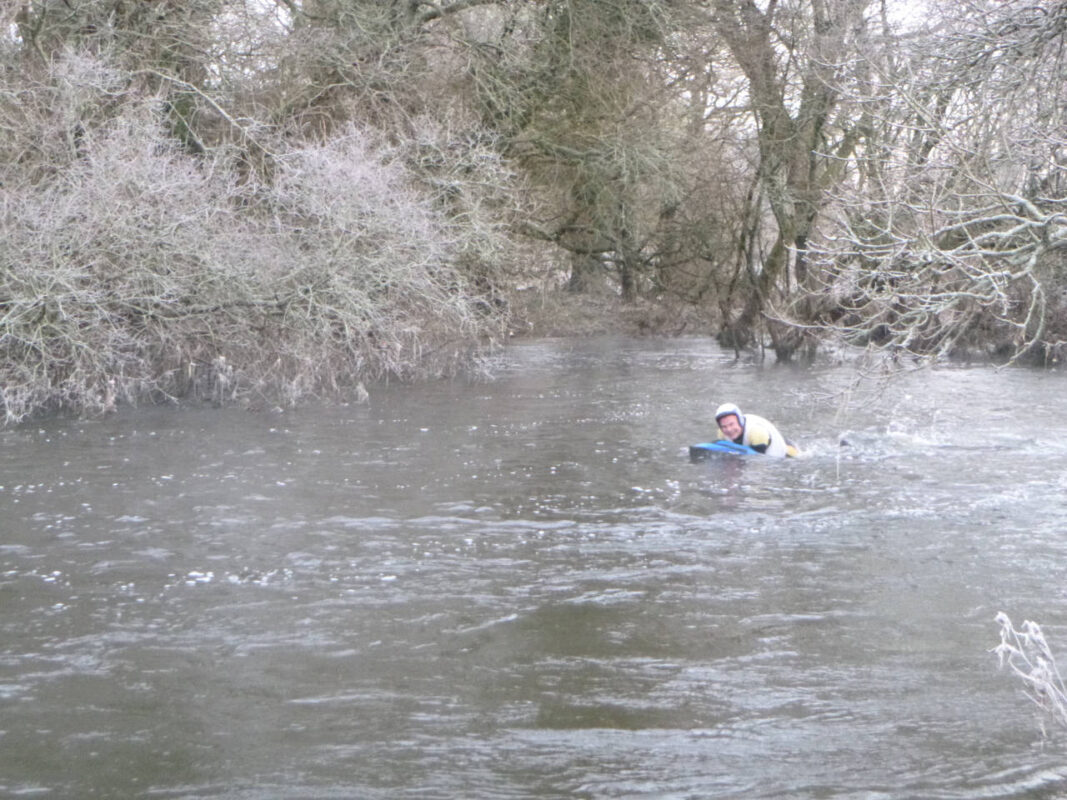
[{"x": 256, "y": 201}]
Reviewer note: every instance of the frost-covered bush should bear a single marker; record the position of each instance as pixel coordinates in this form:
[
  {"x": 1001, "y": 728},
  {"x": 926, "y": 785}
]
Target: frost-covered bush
[{"x": 132, "y": 270}]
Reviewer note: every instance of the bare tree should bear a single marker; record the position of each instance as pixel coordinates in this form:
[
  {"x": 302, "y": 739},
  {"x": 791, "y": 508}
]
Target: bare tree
[
  {"x": 795, "y": 57},
  {"x": 172, "y": 38},
  {"x": 958, "y": 241},
  {"x": 577, "y": 89}
]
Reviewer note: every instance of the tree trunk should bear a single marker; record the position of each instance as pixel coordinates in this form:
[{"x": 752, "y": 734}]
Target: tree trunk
[{"x": 790, "y": 168}]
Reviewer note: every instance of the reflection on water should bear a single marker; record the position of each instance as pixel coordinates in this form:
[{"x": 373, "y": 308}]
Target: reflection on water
[{"x": 524, "y": 589}]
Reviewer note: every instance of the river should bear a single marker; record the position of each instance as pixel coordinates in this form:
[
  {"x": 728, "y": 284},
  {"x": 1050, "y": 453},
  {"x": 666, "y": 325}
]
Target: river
[{"x": 521, "y": 587}]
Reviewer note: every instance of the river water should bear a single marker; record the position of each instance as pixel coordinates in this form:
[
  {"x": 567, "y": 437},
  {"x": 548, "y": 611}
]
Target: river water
[{"x": 522, "y": 588}]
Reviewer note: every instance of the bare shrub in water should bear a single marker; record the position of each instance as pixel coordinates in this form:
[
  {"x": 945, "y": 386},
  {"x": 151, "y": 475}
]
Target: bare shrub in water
[
  {"x": 1026, "y": 653},
  {"x": 132, "y": 271}
]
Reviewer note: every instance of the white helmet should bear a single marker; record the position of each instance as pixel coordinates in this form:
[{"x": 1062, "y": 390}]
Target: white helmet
[{"x": 726, "y": 409}]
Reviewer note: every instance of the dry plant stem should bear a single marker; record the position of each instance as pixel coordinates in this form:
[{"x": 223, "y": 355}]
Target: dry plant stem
[{"x": 1026, "y": 653}]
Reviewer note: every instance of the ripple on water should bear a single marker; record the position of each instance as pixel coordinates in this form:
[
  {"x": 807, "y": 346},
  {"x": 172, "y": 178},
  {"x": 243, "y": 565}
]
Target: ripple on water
[{"x": 523, "y": 588}]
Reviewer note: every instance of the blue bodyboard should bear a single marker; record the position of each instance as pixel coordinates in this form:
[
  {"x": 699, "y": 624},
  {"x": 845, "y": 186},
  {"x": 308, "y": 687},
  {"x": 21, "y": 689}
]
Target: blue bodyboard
[{"x": 698, "y": 452}]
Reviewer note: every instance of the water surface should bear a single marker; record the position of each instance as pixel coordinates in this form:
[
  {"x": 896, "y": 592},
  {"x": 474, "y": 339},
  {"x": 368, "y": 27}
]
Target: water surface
[{"x": 522, "y": 588}]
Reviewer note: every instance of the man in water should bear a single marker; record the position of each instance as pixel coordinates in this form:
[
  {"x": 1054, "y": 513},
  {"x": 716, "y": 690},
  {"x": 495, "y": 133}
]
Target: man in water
[{"x": 754, "y": 431}]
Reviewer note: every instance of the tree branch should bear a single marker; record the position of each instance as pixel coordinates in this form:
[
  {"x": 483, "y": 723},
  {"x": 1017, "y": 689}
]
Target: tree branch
[{"x": 438, "y": 12}]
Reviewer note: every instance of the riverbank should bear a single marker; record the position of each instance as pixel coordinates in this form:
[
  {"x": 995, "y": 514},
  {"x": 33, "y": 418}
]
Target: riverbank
[{"x": 536, "y": 313}]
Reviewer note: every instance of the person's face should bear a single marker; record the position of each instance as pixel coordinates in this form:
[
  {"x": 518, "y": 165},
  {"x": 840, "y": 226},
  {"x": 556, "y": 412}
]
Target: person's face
[{"x": 730, "y": 425}]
